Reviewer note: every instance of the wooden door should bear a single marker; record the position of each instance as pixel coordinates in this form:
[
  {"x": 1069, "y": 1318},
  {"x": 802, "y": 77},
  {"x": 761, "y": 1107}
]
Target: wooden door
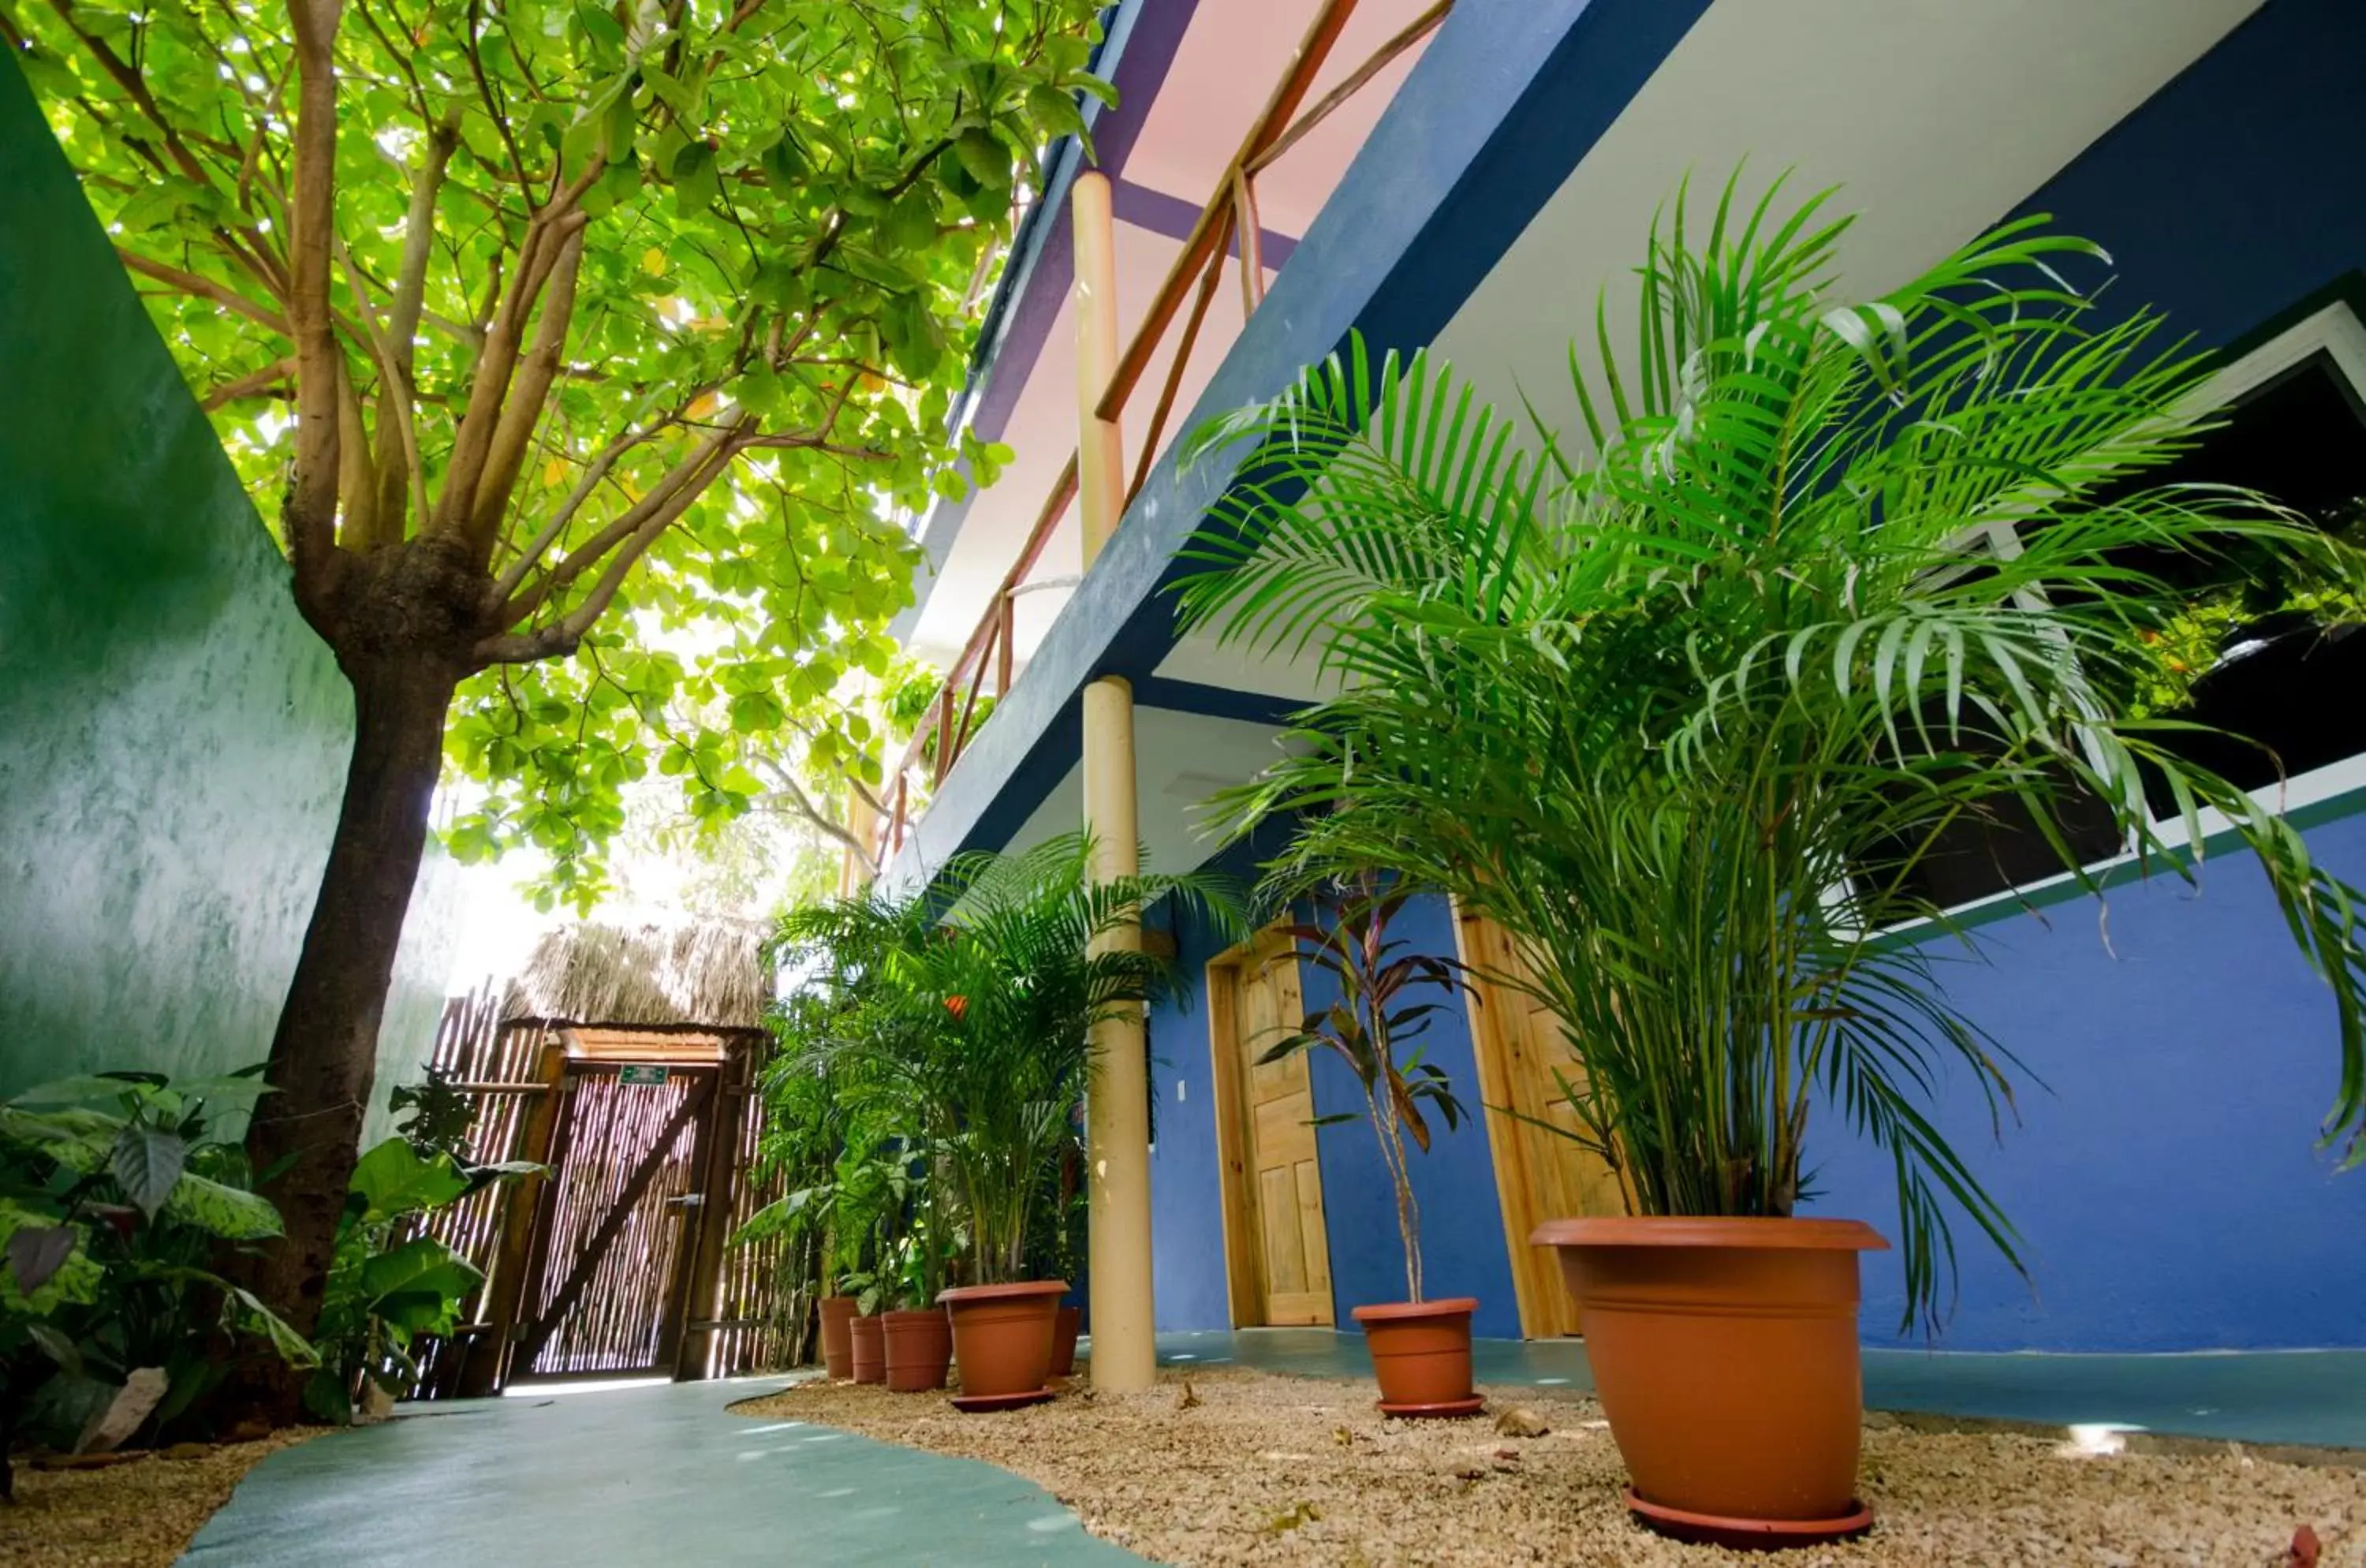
[
  {"x": 1539, "y": 1175},
  {"x": 1278, "y": 1248}
]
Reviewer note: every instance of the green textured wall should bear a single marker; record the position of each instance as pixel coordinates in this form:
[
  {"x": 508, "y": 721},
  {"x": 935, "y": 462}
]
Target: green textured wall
[{"x": 172, "y": 736}]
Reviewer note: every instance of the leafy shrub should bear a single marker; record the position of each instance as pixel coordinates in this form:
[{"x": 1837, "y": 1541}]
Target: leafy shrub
[{"x": 115, "y": 1201}]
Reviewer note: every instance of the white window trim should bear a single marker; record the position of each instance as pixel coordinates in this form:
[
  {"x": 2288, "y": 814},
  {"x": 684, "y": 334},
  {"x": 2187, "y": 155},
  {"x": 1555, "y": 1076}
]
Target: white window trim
[{"x": 2336, "y": 332}]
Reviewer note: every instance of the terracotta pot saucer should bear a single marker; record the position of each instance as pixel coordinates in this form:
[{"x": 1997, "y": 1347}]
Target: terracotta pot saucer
[
  {"x": 982, "y": 1403},
  {"x": 1449, "y": 1409},
  {"x": 1764, "y": 1535}
]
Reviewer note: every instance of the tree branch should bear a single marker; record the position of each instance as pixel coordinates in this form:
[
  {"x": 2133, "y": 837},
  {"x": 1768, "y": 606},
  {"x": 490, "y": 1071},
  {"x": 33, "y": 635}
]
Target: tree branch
[
  {"x": 528, "y": 391},
  {"x": 384, "y": 513},
  {"x": 786, "y": 783},
  {"x": 556, "y": 527},
  {"x": 254, "y": 385},
  {"x": 561, "y": 637},
  {"x": 311, "y": 506},
  {"x": 624, "y": 527},
  {"x": 189, "y": 283}
]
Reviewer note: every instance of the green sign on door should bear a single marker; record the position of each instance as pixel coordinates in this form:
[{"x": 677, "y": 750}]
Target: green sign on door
[{"x": 647, "y": 1077}]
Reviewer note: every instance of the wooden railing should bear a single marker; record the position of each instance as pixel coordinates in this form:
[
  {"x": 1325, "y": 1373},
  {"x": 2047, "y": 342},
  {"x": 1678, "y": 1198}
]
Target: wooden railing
[{"x": 984, "y": 668}]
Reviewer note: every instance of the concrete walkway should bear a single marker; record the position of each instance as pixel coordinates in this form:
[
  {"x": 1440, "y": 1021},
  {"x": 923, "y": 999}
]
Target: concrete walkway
[
  {"x": 658, "y": 1476},
  {"x": 665, "y": 1475},
  {"x": 2312, "y": 1397}
]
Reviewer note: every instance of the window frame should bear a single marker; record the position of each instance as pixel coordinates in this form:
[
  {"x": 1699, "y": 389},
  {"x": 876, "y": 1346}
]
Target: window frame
[{"x": 2336, "y": 332}]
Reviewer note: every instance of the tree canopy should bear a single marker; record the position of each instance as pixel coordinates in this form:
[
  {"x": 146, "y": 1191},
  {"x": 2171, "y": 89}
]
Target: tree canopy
[{"x": 651, "y": 314}]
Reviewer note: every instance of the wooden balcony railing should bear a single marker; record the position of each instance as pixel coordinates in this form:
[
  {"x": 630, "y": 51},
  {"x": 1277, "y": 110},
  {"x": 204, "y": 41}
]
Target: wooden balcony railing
[{"x": 985, "y": 665}]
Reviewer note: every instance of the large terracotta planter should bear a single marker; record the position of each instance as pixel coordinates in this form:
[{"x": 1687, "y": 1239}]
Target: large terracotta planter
[
  {"x": 920, "y": 1348},
  {"x": 1002, "y": 1340},
  {"x": 836, "y": 1337},
  {"x": 1725, "y": 1353},
  {"x": 1066, "y": 1323},
  {"x": 870, "y": 1350},
  {"x": 1421, "y": 1352}
]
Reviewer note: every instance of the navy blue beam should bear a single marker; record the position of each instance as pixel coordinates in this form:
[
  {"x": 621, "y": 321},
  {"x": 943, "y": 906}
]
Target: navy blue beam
[
  {"x": 1213, "y": 702},
  {"x": 1507, "y": 99}
]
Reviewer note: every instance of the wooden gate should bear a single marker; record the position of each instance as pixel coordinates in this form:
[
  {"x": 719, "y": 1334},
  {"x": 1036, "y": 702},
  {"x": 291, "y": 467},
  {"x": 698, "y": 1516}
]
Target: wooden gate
[
  {"x": 615, "y": 1263},
  {"x": 605, "y": 1294}
]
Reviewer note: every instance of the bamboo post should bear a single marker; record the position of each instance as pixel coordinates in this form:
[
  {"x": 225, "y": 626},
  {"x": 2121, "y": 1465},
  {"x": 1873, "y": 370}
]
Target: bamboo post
[
  {"x": 485, "y": 1370},
  {"x": 1117, "y": 1104}
]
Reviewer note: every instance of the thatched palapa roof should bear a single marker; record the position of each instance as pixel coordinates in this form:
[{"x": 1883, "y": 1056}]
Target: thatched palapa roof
[{"x": 703, "y": 974}]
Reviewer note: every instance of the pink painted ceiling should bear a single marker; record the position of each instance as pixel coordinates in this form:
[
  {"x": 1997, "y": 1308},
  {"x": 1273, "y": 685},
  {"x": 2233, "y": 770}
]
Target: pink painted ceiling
[{"x": 1224, "y": 70}]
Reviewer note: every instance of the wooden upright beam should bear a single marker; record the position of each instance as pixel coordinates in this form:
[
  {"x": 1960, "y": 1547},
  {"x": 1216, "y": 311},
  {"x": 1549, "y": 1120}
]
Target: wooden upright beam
[{"x": 695, "y": 1355}]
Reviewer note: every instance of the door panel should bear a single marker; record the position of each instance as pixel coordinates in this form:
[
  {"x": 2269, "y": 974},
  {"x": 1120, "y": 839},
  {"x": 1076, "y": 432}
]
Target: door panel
[
  {"x": 1278, "y": 1245},
  {"x": 1540, "y": 1176}
]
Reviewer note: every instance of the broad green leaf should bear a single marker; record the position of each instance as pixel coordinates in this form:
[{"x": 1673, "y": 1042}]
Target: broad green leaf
[
  {"x": 218, "y": 1208},
  {"x": 146, "y": 1162},
  {"x": 392, "y": 1179},
  {"x": 249, "y": 1316}
]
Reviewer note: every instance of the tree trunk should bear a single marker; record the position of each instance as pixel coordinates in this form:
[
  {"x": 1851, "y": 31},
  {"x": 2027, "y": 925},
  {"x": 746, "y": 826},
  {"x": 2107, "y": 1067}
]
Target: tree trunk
[{"x": 304, "y": 1139}]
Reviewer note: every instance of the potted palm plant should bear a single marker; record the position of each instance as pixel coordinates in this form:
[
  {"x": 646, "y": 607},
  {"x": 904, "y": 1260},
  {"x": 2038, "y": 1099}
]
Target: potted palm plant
[
  {"x": 1385, "y": 1001},
  {"x": 1834, "y": 586},
  {"x": 978, "y": 1021}
]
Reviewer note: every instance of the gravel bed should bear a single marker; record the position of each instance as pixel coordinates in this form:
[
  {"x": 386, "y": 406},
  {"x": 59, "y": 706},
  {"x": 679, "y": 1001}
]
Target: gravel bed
[
  {"x": 1240, "y": 1467},
  {"x": 137, "y": 1512}
]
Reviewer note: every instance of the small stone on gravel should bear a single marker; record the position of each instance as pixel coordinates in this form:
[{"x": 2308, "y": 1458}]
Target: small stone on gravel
[{"x": 1520, "y": 1421}]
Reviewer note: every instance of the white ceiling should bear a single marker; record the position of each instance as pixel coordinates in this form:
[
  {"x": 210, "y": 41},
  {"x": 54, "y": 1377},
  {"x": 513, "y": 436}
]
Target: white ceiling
[
  {"x": 1934, "y": 119},
  {"x": 1180, "y": 759}
]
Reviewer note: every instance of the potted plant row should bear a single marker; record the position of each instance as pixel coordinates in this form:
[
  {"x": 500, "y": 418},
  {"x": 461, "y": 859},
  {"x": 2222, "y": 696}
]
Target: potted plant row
[
  {"x": 960, "y": 1018},
  {"x": 1687, "y": 700}
]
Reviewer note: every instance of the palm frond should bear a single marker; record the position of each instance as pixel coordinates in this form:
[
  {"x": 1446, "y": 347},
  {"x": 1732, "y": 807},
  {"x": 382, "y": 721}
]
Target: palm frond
[{"x": 1689, "y": 711}]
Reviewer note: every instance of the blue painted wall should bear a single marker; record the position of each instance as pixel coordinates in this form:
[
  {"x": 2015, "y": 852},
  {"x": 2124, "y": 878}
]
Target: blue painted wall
[
  {"x": 1462, "y": 1233},
  {"x": 2165, "y": 1174}
]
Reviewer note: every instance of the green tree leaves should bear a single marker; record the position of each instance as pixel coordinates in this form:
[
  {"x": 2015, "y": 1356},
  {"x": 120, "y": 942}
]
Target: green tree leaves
[{"x": 713, "y": 419}]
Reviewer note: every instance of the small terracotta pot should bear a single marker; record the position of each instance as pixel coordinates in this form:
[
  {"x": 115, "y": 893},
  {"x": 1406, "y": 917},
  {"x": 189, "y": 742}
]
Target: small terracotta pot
[
  {"x": 836, "y": 1338},
  {"x": 1002, "y": 1339},
  {"x": 870, "y": 1350},
  {"x": 1065, "y": 1325},
  {"x": 1421, "y": 1352},
  {"x": 1725, "y": 1354},
  {"x": 920, "y": 1348}
]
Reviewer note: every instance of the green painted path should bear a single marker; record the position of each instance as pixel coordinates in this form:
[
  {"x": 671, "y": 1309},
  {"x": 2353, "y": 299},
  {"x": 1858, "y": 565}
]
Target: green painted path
[
  {"x": 2312, "y": 1397},
  {"x": 661, "y": 1475}
]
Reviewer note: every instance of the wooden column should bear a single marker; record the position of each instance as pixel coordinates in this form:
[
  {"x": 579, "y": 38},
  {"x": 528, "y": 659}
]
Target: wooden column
[
  {"x": 1118, "y": 1105},
  {"x": 1124, "y": 1313},
  {"x": 485, "y": 1369}
]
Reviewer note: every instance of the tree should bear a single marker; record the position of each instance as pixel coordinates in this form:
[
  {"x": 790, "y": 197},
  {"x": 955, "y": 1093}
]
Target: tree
[{"x": 598, "y": 324}]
